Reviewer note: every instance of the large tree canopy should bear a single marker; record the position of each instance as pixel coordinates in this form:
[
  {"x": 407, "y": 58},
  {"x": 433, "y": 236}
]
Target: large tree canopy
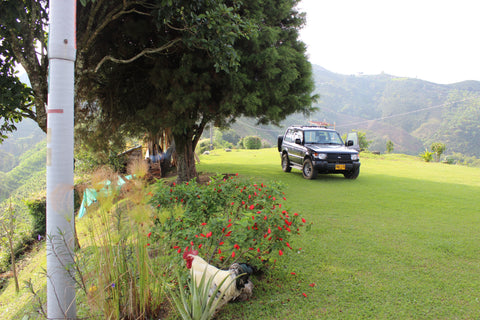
[
  {"x": 259, "y": 70},
  {"x": 147, "y": 65}
]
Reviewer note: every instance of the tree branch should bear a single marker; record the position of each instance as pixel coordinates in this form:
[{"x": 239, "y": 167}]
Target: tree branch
[{"x": 141, "y": 54}]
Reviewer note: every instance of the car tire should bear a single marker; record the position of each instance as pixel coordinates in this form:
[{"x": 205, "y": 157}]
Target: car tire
[
  {"x": 308, "y": 170},
  {"x": 286, "y": 163},
  {"x": 352, "y": 174}
]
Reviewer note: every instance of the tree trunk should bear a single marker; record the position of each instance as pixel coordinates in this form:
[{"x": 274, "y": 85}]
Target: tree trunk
[
  {"x": 12, "y": 257},
  {"x": 185, "y": 149}
]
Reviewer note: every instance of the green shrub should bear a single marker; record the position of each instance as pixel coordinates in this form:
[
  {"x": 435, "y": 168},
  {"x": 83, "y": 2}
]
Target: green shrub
[
  {"x": 252, "y": 142},
  {"x": 37, "y": 209},
  {"x": 227, "y": 220},
  {"x": 427, "y": 155},
  {"x": 203, "y": 145}
]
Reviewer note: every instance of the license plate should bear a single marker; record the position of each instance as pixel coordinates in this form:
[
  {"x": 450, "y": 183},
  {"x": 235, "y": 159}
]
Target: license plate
[{"x": 339, "y": 167}]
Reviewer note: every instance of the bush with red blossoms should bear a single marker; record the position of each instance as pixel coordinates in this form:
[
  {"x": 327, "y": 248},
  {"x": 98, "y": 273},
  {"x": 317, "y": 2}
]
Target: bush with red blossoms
[{"x": 227, "y": 220}]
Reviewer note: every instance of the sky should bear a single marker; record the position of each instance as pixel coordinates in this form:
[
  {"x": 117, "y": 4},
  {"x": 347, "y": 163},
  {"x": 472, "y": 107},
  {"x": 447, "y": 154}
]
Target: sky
[{"x": 432, "y": 40}]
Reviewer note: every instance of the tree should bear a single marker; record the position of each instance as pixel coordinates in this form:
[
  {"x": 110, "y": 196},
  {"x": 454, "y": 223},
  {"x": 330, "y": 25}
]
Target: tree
[
  {"x": 362, "y": 140},
  {"x": 206, "y": 77},
  {"x": 141, "y": 69},
  {"x": 8, "y": 224},
  {"x": 389, "y": 146},
  {"x": 22, "y": 30},
  {"x": 438, "y": 149}
]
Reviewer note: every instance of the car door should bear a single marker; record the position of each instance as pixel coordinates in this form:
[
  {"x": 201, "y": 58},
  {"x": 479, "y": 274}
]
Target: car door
[
  {"x": 352, "y": 141},
  {"x": 297, "y": 148}
]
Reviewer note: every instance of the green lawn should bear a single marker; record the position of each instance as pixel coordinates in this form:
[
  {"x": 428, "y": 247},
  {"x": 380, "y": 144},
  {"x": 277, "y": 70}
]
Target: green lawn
[{"x": 400, "y": 242}]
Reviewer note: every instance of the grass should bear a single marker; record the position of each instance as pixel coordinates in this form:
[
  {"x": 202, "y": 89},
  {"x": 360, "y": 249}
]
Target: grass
[{"x": 400, "y": 242}]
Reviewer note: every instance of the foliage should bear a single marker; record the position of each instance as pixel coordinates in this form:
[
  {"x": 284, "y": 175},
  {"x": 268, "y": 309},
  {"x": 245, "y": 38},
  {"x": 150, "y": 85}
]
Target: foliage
[
  {"x": 252, "y": 142},
  {"x": 118, "y": 271},
  {"x": 389, "y": 146},
  {"x": 229, "y": 219},
  {"x": 199, "y": 302},
  {"x": 24, "y": 41},
  {"x": 206, "y": 77},
  {"x": 38, "y": 211},
  {"x": 362, "y": 140},
  {"x": 8, "y": 228},
  {"x": 438, "y": 149},
  {"x": 427, "y": 156}
]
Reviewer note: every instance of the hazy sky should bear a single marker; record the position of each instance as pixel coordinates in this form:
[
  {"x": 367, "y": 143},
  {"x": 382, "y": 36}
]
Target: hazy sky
[{"x": 433, "y": 40}]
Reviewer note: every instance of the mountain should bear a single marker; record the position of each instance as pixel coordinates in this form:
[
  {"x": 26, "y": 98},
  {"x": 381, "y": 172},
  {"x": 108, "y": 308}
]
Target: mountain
[{"x": 412, "y": 113}]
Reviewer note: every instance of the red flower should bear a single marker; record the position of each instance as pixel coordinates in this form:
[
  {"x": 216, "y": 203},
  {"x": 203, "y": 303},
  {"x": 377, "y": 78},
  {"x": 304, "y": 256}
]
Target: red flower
[
  {"x": 149, "y": 234},
  {"x": 176, "y": 247},
  {"x": 233, "y": 203},
  {"x": 209, "y": 234},
  {"x": 233, "y": 254},
  {"x": 252, "y": 207},
  {"x": 229, "y": 225},
  {"x": 280, "y": 252},
  {"x": 179, "y": 250},
  {"x": 303, "y": 220},
  {"x": 304, "y": 294},
  {"x": 253, "y": 217},
  {"x": 200, "y": 246},
  {"x": 284, "y": 198},
  {"x": 288, "y": 245},
  {"x": 221, "y": 243},
  {"x": 269, "y": 230},
  {"x": 236, "y": 246},
  {"x": 265, "y": 218},
  {"x": 204, "y": 223},
  {"x": 312, "y": 284},
  {"x": 219, "y": 251},
  {"x": 236, "y": 174},
  {"x": 293, "y": 273}
]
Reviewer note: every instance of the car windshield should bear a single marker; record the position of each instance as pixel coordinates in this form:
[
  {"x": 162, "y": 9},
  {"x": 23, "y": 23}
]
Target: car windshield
[{"x": 322, "y": 137}]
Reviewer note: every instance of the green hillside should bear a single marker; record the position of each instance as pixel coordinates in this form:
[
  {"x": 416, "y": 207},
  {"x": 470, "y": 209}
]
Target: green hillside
[{"x": 410, "y": 112}]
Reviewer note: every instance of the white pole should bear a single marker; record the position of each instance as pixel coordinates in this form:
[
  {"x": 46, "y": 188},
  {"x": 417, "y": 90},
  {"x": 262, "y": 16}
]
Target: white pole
[{"x": 60, "y": 217}]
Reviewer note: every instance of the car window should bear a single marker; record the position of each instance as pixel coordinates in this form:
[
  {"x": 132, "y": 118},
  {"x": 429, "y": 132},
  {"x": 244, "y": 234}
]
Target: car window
[{"x": 289, "y": 135}]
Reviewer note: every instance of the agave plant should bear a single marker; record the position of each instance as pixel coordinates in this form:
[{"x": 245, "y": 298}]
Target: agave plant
[{"x": 198, "y": 302}]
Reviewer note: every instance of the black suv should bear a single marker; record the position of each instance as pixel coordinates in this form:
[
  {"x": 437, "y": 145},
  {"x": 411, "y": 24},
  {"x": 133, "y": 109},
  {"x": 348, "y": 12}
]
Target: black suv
[{"x": 315, "y": 149}]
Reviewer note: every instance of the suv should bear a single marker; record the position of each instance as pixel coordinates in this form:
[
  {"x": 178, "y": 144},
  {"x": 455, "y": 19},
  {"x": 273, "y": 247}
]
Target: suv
[{"x": 315, "y": 149}]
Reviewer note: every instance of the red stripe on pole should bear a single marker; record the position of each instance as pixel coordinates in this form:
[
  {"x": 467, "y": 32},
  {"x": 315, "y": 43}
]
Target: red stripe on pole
[{"x": 55, "y": 111}]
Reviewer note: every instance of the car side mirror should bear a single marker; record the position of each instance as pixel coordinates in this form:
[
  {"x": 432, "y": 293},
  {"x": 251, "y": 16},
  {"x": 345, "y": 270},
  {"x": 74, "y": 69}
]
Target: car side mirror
[
  {"x": 349, "y": 143},
  {"x": 298, "y": 141}
]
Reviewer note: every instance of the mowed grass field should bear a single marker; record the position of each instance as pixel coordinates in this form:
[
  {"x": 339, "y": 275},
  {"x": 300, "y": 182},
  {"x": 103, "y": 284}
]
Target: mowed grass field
[{"x": 400, "y": 242}]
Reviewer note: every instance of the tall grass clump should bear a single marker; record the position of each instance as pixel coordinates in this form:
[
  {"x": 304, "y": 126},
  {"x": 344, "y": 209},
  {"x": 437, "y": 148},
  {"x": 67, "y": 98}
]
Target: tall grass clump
[{"x": 121, "y": 273}]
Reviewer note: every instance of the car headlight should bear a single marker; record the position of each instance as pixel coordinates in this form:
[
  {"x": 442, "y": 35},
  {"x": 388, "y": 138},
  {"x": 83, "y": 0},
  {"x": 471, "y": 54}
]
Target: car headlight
[
  {"x": 321, "y": 156},
  {"x": 354, "y": 156}
]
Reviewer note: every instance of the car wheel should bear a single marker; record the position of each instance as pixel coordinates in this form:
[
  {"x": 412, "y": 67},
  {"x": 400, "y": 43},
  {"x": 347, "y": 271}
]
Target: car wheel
[
  {"x": 286, "y": 163},
  {"x": 308, "y": 170},
  {"x": 352, "y": 174}
]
